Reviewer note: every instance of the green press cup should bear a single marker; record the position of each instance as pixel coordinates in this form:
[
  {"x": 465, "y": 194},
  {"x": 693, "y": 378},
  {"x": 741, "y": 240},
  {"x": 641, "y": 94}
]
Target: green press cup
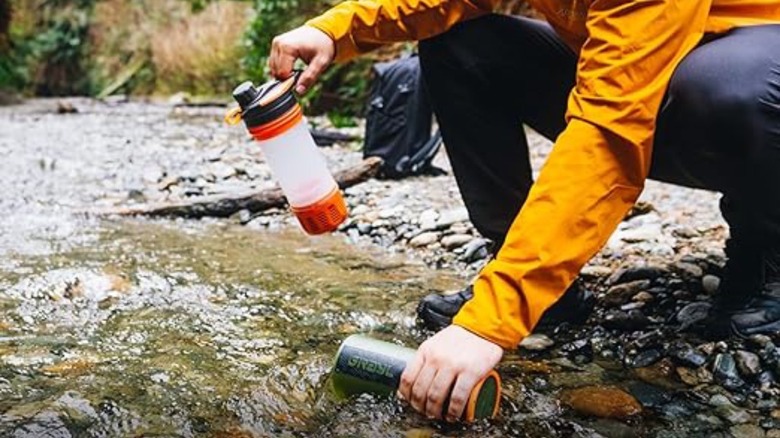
[{"x": 366, "y": 365}]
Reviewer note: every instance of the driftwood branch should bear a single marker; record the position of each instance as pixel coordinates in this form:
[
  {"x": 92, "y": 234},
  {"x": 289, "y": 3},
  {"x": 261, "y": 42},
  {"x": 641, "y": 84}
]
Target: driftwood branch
[{"x": 227, "y": 205}]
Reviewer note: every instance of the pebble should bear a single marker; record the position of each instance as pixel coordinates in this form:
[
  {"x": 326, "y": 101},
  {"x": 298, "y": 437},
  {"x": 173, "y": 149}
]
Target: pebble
[
  {"x": 602, "y": 402},
  {"x": 643, "y": 297},
  {"x": 760, "y": 340},
  {"x": 455, "y": 241},
  {"x": 360, "y": 210},
  {"x": 725, "y": 371},
  {"x": 710, "y": 284},
  {"x": 688, "y": 270},
  {"x": 627, "y": 275},
  {"x": 537, "y": 342},
  {"x": 646, "y": 358},
  {"x": 747, "y": 431},
  {"x": 449, "y": 217},
  {"x": 685, "y": 355},
  {"x": 595, "y": 271},
  {"x": 428, "y": 219},
  {"x": 727, "y": 411},
  {"x": 475, "y": 250},
  {"x": 692, "y": 314},
  {"x": 649, "y": 396},
  {"x": 621, "y": 293},
  {"x": 424, "y": 239},
  {"x": 631, "y": 320},
  {"x": 748, "y": 363}
]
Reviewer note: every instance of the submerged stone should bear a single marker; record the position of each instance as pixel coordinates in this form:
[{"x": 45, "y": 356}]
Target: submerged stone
[{"x": 601, "y": 401}]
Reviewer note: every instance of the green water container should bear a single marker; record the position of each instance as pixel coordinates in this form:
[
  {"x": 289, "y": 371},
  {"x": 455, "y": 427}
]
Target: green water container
[{"x": 367, "y": 365}]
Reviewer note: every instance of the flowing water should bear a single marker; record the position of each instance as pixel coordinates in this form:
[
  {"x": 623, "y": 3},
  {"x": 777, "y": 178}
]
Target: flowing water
[{"x": 113, "y": 328}]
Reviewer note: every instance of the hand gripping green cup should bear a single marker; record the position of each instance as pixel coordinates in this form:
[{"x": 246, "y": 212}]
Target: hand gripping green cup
[{"x": 366, "y": 365}]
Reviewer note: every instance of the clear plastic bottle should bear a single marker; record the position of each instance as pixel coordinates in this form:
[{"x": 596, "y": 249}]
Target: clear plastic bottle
[{"x": 275, "y": 119}]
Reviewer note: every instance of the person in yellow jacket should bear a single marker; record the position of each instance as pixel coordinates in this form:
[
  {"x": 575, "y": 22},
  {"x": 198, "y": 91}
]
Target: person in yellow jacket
[{"x": 684, "y": 91}]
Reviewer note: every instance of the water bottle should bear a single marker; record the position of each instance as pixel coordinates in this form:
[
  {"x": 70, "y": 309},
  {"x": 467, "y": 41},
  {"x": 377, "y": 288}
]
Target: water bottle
[
  {"x": 274, "y": 118},
  {"x": 367, "y": 365}
]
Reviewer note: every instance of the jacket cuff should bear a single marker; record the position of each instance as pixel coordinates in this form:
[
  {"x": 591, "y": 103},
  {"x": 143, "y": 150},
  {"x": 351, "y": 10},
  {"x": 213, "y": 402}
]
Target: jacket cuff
[
  {"x": 345, "y": 47},
  {"x": 482, "y": 315}
]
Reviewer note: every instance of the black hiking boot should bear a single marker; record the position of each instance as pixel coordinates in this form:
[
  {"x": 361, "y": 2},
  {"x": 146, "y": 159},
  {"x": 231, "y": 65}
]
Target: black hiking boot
[
  {"x": 748, "y": 301},
  {"x": 436, "y": 311}
]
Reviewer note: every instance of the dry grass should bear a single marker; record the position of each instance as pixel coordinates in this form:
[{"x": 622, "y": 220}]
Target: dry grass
[
  {"x": 197, "y": 53},
  {"x": 201, "y": 52}
]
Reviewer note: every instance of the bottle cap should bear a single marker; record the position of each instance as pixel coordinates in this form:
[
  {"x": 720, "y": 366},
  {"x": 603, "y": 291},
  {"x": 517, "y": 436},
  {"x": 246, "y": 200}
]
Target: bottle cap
[{"x": 264, "y": 104}]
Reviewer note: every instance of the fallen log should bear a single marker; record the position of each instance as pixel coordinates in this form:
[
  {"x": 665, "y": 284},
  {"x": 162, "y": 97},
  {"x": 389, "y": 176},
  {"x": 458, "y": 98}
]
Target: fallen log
[{"x": 227, "y": 205}]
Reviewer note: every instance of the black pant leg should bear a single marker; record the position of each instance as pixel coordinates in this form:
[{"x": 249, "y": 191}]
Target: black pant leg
[
  {"x": 486, "y": 77},
  {"x": 719, "y": 127}
]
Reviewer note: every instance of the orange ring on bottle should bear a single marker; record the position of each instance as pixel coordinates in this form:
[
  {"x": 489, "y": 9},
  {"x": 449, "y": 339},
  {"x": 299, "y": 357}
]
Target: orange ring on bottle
[{"x": 279, "y": 126}]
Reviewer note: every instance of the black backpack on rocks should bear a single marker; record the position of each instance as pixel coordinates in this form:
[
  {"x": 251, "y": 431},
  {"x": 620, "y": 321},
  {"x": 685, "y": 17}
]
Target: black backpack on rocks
[{"x": 399, "y": 120}]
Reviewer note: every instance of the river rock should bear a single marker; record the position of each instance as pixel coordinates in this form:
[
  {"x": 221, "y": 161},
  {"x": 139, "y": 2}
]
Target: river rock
[
  {"x": 692, "y": 314},
  {"x": 727, "y": 411},
  {"x": 449, "y": 217},
  {"x": 646, "y": 358},
  {"x": 688, "y": 270},
  {"x": 424, "y": 239},
  {"x": 661, "y": 373},
  {"x": 595, "y": 271},
  {"x": 601, "y": 401},
  {"x": 428, "y": 219},
  {"x": 725, "y": 371},
  {"x": 537, "y": 342},
  {"x": 360, "y": 210},
  {"x": 710, "y": 284},
  {"x": 748, "y": 363},
  {"x": 455, "y": 241},
  {"x": 760, "y": 341},
  {"x": 628, "y": 275},
  {"x": 631, "y": 320},
  {"x": 621, "y": 293},
  {"x": 643, "y": 297},
  {"x": 685, "y": 355},
  {"x": 649, "y": 396},
  {"x": 747, "y": 431},
  {"x": 475, "y": 250}
]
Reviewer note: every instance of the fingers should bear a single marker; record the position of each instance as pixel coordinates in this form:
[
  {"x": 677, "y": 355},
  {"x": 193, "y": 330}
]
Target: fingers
[
  {"x": 312, "y": 72},
  {"x": 421, "y": 387},
  {"x": 438, "y": 392},
  {"x": 409, "y": 376},
  {"x": 282, "y": 60},
  {"x": 460, "y": 395}
]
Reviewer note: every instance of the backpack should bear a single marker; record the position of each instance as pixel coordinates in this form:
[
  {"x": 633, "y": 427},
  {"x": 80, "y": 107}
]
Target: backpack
[{"x": 399, "y": 120}]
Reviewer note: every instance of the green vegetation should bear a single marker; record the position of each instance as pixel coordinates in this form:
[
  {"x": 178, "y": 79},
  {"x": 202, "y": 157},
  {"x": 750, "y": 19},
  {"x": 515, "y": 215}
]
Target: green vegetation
[{"x": 148, "y": 47}]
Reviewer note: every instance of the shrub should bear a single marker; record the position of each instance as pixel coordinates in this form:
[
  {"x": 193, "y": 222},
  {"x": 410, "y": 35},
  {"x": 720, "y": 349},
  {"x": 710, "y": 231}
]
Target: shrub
[{"x": 201, "y": 53}]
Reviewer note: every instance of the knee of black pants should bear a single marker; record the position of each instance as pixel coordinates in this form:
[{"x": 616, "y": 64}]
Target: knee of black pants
[{"x": 456, "y": 50}]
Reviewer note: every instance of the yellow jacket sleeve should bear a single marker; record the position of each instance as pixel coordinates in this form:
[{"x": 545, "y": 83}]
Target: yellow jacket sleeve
[
  {"x": 363, "y": 25},
  {"x": 597, "y": 167}
]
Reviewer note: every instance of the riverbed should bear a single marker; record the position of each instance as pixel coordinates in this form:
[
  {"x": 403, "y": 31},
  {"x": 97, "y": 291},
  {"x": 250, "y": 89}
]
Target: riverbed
[{"x": 132, "y": 327}]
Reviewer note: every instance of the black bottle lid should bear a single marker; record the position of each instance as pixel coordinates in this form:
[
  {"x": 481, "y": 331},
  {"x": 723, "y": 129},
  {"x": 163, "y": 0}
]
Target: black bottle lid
[{"x": 264, "y": 104}]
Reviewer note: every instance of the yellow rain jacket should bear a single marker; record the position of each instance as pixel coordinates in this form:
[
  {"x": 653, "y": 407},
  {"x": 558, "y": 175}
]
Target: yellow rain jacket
[{"x": 628, "y": 50}]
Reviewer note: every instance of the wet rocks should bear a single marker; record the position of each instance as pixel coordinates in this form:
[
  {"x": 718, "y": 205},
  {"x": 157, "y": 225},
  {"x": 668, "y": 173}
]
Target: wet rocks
[
  {"x": 622, "y": 320},
  {"x": 601, "y": 401},
  {"x": 747, "y": 431},
  {"x": 693, "y": 314},
  {"x": 728, "y": 411},
  {"x": 627, "y": 275},
  {"x": 621, "y": 293},
  {"x": 724, "y": 368},
  {"x": 710, "y": 284},
  {"x": 688, "y": 270},
  {"x": 748, "y": 363},
  {"x": 646, "y": 358},
  {"x": 685, "y": 355}
]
